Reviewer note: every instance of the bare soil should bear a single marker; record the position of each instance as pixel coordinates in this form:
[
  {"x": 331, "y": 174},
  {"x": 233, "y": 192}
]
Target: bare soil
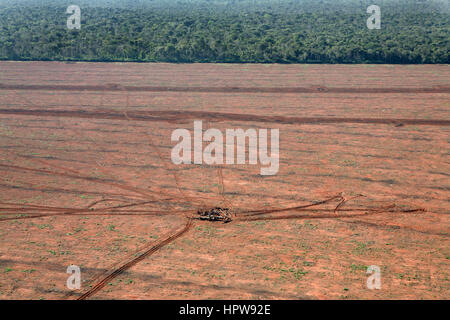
[{"x": 86, "y": 179}]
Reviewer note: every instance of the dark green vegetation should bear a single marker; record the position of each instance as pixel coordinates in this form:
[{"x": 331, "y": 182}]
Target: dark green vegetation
[{"x": 280, "y": 31}]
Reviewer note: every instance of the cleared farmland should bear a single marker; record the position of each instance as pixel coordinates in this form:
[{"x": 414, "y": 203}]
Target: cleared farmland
[{"x": 85, "y": 151}]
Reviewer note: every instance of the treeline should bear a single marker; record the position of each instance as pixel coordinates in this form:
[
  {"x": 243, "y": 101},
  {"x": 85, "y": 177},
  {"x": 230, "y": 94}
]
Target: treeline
[{"x": 246, "y": 31}]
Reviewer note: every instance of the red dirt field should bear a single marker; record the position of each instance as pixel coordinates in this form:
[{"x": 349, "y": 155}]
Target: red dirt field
[{"x": 87, "y": 180}]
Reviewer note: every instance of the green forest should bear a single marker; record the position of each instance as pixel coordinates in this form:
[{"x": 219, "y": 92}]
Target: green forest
[{"x": 234, "y": 31}]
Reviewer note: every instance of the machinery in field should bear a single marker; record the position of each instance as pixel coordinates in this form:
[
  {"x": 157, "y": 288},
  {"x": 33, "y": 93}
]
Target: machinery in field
[{"x": 215, "y": 214}]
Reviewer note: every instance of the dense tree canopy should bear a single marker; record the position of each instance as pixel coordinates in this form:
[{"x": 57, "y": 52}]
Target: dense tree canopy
[{"x": 240, "y": 31}]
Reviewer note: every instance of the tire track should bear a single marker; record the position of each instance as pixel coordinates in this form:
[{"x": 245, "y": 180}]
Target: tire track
[
  {"x": 277, "y": 210},
  {"x": 109, "y": 182},
  {"x": 310, "y": 89},
  {"x": 131, "y": 262},
  {"x": 183, "y": 116},
  {"x": 333, "y": 215},
  {"x": 30, "y": 211}
]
